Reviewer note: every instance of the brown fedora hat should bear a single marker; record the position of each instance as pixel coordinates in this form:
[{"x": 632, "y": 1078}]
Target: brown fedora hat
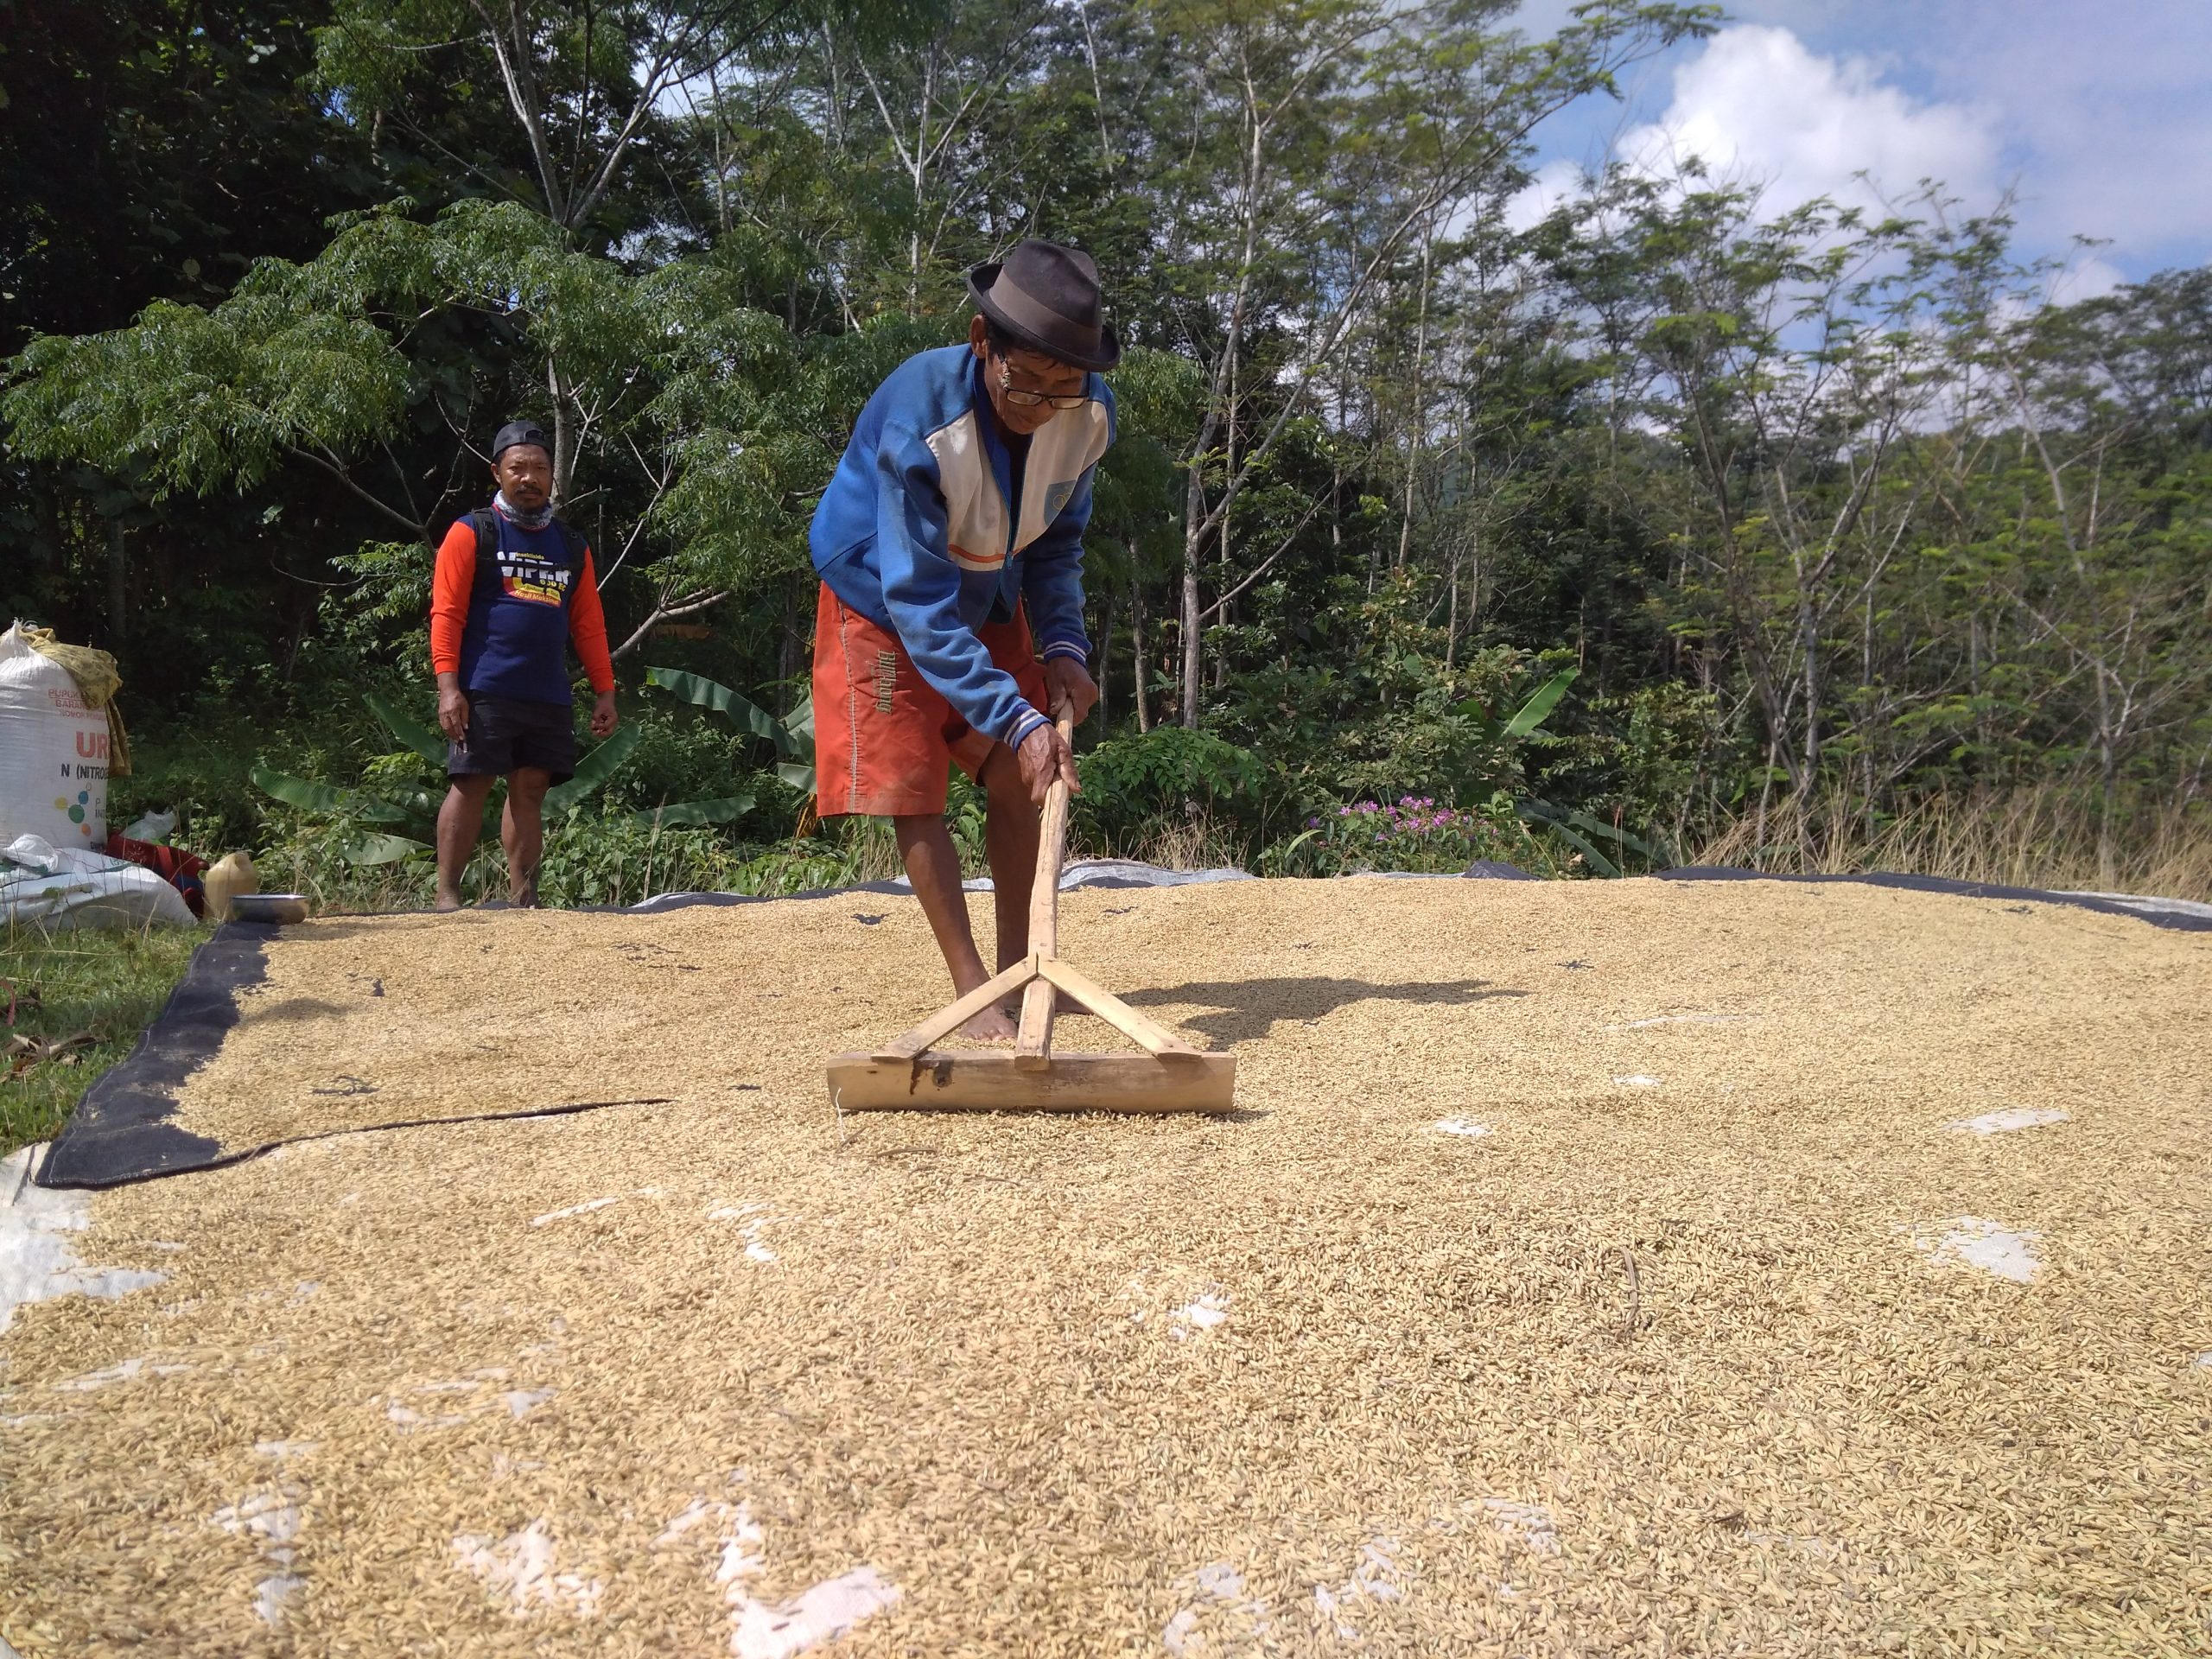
[{"x": 1046, "y": 296}]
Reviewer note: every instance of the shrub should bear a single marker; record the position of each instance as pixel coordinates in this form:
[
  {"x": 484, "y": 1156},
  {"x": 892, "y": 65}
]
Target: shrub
[
  {"x": 1134, "y": 788},
  {"x": 1414, "y": 833}
]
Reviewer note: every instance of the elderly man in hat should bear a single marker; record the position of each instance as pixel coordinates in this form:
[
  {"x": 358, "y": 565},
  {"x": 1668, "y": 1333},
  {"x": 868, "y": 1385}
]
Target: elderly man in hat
[
  {"x": 950, "y": 546},
  {"x": 513, "y": 587}
]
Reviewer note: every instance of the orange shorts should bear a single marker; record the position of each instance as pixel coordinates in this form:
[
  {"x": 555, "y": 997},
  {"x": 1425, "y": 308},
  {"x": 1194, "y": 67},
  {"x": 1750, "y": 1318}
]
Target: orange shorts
[{"x": 883, "y": 735}]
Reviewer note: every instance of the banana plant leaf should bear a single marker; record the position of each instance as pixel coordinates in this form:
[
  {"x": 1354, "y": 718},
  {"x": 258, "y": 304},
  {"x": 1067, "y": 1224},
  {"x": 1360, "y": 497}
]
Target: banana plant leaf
[
  {"x": 1530, "y": 714},
  {"x": 1598, "y": 861},
  {"x": 425, "y": 741},
  {"x": 383, "y": 849},
  {"x": 738, "y": 709},
  {"x": 1626, "y": 839},
  {"x": 418, "y": 804},
  {"x": 594, "y": 769},
  {"x": 1575, "y": 830},
  {"x": 716, "y": 811},
  {"x": 322, "y": 797},
  {"x": 799, "y": 775}
]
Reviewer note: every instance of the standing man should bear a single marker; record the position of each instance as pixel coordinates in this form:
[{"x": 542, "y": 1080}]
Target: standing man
[
  {"x": 950, "y": 544},
  {"x": 513, "y": 587}
]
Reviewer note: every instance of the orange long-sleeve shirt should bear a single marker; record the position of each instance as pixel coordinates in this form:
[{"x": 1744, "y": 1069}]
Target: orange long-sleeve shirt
[{"x": 452, "y": 583}]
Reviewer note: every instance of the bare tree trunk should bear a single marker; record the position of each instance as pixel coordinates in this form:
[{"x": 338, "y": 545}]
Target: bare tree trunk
[
  {"x": 1451, "y": 615},
  {"x": 1415, "y": 423},
  {"x": 722, "y": 160},
  {"x": 1138, "y": 662},
  {"x": 118, "y": 586},
  {"x": 1102, "y": 674},
  {"x": 1766, "y": 793},
  {"x": 564, "y": 434},
  {"x": 1193, "y": 652},
  {"x": 2107, "y": 779},
  {"x": 1808, "y": 644},
  {"x": 1188, "y": 687},
  {"x": 1194, "y": 512}
]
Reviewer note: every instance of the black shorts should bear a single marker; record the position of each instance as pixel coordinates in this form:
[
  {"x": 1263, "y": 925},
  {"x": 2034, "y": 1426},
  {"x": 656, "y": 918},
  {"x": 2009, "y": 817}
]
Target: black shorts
[{"x": 505, "y": 732}]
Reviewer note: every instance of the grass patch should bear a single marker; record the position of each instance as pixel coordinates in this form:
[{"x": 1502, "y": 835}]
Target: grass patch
[{"x": 106, "y": 982}]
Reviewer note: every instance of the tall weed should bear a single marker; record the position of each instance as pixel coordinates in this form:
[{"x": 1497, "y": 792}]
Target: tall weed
[{"x": 2040, "y": 836}]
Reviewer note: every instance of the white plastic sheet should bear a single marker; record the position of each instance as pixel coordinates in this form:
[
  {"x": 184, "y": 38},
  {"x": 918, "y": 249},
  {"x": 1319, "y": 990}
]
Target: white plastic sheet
[{"x": 44, "y": 885}]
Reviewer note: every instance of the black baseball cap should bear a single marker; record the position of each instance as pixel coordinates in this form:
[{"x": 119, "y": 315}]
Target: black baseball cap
[{"x": 515, "y": 432}]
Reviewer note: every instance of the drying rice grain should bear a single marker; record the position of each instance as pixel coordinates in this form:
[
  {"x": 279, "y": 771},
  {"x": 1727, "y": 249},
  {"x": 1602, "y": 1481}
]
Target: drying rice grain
[{"x": 956, "y": 1394}]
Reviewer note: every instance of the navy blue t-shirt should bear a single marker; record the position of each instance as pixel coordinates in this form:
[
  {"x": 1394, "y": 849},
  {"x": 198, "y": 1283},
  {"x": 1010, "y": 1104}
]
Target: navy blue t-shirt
[{"x": 516, "y": 643}]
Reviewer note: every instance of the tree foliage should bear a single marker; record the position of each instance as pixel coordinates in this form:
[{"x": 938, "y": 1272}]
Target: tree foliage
[{"x": 1811, "y": 503}]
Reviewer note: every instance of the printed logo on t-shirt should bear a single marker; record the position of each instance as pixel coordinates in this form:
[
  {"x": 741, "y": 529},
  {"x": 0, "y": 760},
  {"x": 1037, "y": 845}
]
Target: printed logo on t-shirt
[
  {"x": 537, "y": 582},
  {"x": 1056, "y": 497}
]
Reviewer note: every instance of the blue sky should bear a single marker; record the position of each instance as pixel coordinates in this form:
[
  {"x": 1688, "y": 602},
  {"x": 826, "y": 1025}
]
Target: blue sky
[{"x": 2099, "y": 117}]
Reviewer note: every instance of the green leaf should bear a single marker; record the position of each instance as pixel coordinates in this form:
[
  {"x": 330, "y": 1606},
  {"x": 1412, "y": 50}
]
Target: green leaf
[
  {"x": 426, "y": 742},
  {"x": 1598, "y": 861},
  {"x": 799, "y": 775},
  {"x": 1539, "y": 811},
  {"x": 801, "y": 724},
  {"x": 1545, "y": 813},
  {"x": 297, "y": 792},
  {"x": 594, "y": 769},
  {"x": 1617, "y": 835},
  {"x": 322, "y": 797},
  {"x": 420, "y": 802},
  {"x": 1530, "y": 714},
  {"x": 1283, "y": 856},
  {"x": 739, "y": 711},
  {"x": 381, "y": 849},
  {"x": 716, "y": 811}
]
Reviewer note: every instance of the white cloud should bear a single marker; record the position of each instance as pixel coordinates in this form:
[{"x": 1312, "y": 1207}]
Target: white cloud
[
  {"x": 2086, "y": 276},
  {"x": 1757, "y": 105},
  {"x": 1553, "y": 183},
  {"x": 2095, "y": 114}
]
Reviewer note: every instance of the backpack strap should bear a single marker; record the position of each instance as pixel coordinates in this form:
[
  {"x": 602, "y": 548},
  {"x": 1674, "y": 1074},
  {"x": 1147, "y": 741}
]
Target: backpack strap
[
  {"x": 488, "y": 546},
  {"x": 578, "y": 548}
]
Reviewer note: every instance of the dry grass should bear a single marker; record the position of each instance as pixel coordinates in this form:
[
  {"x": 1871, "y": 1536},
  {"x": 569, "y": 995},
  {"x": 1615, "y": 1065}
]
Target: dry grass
[
  {"x": 1319, "y": 1377},
  {"x": 2042, "y": 837},
  {"x": 1196, "y": 841}
]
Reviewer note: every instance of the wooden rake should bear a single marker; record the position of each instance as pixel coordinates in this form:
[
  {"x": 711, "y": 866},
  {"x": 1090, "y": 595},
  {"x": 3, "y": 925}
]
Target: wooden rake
[{"x": 910, "y": 1072}]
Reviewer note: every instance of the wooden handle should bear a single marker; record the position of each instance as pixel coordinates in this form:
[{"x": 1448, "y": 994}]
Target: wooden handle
[
  {"x": 1033, "y": 1047},
  {"x": 1052, "y": 849}
]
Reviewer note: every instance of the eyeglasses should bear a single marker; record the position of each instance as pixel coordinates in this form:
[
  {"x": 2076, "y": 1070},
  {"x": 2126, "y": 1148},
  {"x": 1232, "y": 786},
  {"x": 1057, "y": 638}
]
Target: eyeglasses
[{"x": 1022, "y": 398}]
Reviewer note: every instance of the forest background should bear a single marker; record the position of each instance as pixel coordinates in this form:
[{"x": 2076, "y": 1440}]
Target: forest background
[{"x": 1662, "y": 528}]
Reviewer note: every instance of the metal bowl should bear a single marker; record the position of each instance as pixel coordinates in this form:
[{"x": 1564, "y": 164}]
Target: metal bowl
[{"x": 269, "y": 907}]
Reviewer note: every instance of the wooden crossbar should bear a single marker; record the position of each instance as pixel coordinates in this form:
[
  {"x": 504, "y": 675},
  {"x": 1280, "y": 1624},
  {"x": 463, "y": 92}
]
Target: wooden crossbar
[
  {"x": 910, "y": 1070},
  {"x": 953, "y": 1015}
]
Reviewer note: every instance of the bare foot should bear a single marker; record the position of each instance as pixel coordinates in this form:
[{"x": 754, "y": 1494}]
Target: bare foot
[
  {"x": 992, "y": 1026},
  {"x": 447, "y": 901}
]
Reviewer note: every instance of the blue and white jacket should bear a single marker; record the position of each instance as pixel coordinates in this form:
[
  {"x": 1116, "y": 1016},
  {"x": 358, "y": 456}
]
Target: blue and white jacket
[{"x": 918, "y": 531}]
